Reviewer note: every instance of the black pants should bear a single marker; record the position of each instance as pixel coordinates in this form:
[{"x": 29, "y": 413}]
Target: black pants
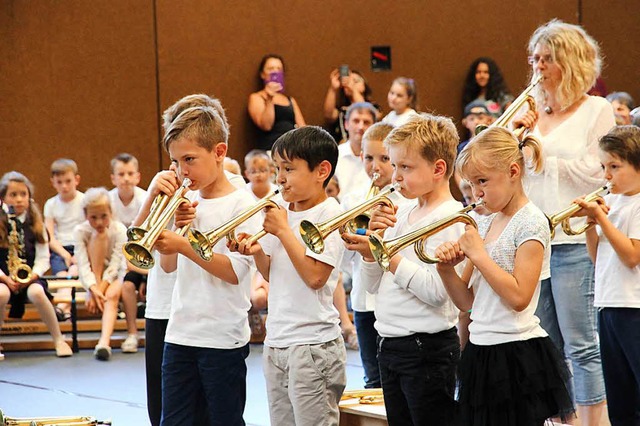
[
  {"x": 418, "y": 374},
  {"x": 154, "y": 346}
]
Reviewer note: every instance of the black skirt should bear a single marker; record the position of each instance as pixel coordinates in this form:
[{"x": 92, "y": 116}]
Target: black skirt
[{"x": 517, "y": 383}]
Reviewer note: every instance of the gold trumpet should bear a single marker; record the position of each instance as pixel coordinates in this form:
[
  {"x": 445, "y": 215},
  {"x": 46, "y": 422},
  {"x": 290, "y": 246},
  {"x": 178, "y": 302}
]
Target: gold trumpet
[
  {"x": 507, "y": 115},
  {"x": 203, "y": 242},
  {"x": 19, "y": 271},
  {"x": 383, "y": 251},
  {"x": 565, "y": 215},
  {"x": 46, "y": 421},
  {"x": 135, "y": 233},
  {"x": 138, "y": 253},
  {"x": 314, "y": 235},
  {"x": 362, "y": 220}
]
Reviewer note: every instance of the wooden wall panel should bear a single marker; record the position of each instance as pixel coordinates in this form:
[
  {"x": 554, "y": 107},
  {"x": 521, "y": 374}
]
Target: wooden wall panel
[
  {"x": 78, "y": 81},
  {"x": 615, "y": 26},
  {"x": 78, "y": 78}
]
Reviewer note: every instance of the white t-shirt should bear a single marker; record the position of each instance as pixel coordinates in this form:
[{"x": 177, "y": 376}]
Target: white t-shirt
[
  {"x": 493, "y": 322},
  {"x": 126, "y": 214},
  {"x": 115, "y": 263},
  {"x": 571, "y": 163},
  {"x": 618, "y": 286},
  {"x": 397, "y": 120},
  {"x": 206, "y": 311},
  {"x": 298, "y": 314},
  {"x": 159, "y": 283},
  {"x": 66, "y": 216},
  {"x": 414, "y": 300},
  {"x": 350, "y": 171},
  {"x": 361, "y": 300}
]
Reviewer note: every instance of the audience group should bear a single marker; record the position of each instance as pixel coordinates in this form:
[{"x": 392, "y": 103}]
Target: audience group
[{"x": 481, "y": 336}]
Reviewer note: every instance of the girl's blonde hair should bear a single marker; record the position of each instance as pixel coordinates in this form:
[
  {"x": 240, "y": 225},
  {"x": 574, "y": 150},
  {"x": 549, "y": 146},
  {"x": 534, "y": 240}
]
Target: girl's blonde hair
[
  {"x": 96, "y": 197},
  {"x": 576, "y": 53},
  {"x": 409, "y": 85},
  {"x": 34, "y": 218},
  {"x": 495, "y": 149}
]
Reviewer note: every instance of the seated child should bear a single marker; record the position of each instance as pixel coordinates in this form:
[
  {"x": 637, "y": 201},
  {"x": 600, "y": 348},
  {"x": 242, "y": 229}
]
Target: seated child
[
  {"x": 101, "y": 263},
  {"x": 126, "y": 200},
  {"x": 23, "y": 240},
  {"x": 61, "y": 215}
]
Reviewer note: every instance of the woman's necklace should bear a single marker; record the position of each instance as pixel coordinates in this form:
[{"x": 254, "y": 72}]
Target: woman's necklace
[{"x": 548, "y": 109}]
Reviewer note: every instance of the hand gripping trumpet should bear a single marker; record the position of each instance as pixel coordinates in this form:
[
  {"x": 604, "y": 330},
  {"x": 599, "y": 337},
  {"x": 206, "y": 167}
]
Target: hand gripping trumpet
[
  {"x": 203, "y": 242},
  {"x": 507, "y": 115},
  {"x": 383, "y": 251},
  {"x": 314, "y": 235},
  {"x": 563, "y": 217},
  {"x": 138, "y": 253}
]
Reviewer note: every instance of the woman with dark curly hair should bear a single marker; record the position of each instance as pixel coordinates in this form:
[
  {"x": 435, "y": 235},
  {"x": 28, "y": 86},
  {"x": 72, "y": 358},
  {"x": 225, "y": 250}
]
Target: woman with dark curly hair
[{"x": 485, "y": 82}]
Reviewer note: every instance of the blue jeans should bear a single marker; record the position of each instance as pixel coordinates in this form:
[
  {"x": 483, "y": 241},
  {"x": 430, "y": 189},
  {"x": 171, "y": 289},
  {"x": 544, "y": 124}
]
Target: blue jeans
[
  {"x": 567, "y": 313},
  {"x": 57, "y": 262},
  {"x": 220, "y": 374},
  {"x": 367, "y": 336},
  {"x": 620, "y": 347}
]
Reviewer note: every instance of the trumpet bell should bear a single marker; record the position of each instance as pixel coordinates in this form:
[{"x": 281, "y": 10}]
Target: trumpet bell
[
  {"x": 138, "y": 255},
  {"x": 200, "y": 244},
  {"x": 312, "y": 236},
  {"x": 379, "y": 251}
]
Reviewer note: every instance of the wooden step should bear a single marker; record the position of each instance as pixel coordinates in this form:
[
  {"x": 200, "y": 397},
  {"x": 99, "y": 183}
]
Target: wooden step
[
  {"x": 36, "y": 327},
  {"x": 44, "y": 343}
]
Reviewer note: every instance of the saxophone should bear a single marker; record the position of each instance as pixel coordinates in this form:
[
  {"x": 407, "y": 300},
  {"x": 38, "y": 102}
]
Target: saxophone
[{"x": 19, "y": 271}]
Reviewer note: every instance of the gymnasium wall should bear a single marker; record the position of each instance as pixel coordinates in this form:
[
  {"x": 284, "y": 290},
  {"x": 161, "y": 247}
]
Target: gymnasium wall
[{"x": 87, "y": 80}]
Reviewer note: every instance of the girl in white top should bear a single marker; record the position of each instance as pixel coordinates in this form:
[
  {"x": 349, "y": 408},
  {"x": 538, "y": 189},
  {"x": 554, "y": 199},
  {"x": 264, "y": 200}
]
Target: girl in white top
[
  {"x": 614, "y": 246},
  {"x": 403, "y": 101},
  {"x": 101, "y": 263},
  {"x": 510, "y": 373}
]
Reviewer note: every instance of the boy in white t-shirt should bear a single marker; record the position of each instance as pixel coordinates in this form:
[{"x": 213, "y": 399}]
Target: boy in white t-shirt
[
  {"x": 206, "y": 341},
  {"x": 304, "y": 354},
  {"x": 62, "y": 214},
  {"x": 126, "y": 200},
  {"x": 614, "y": 246}
]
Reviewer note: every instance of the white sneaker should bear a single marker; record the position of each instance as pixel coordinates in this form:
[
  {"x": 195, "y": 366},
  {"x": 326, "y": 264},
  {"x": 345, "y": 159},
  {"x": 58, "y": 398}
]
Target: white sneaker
[{"x": 130, "y": 344}]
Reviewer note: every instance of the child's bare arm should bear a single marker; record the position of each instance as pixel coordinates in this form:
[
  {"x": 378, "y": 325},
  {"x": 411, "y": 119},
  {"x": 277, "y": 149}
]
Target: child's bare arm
[{"x": 54, "y": 244}]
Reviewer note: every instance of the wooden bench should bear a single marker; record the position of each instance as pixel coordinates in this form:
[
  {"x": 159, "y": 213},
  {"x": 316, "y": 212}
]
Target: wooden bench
[{"x": 352, "y": 413}]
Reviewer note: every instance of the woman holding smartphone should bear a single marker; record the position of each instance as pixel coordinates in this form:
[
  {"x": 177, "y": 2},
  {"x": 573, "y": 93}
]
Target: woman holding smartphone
[{"x": 271, "y": 110}]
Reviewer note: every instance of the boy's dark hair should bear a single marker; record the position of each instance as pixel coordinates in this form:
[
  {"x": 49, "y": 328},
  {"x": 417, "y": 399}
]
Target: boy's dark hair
[
  {"x": 624, "y": 143},
  {"x": 622, "y": 97},
  {"x": 312, "y": 144},
  {"x": 124, "y": 158}
]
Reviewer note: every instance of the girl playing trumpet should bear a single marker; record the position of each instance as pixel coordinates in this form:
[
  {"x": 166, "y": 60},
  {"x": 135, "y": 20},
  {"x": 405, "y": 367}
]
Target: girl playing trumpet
[{"x": 510, "y": 372}]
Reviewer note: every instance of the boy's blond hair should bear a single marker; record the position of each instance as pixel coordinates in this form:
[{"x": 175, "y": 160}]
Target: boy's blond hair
[
  {"x": 232, "y": 166},
  {"x": 62, "y": 166},
  {"x": 433, "y": 136},
  {"x": 124, "y": 158},
  {"x": 496, "y": 148},
  {"x": 256, "y": 153},
  {"x": 190, "y": 101},
  {"x": 377, "y": 132},
  {"x": 203, "y": 124},
  {"x": 96, "y": 197}
]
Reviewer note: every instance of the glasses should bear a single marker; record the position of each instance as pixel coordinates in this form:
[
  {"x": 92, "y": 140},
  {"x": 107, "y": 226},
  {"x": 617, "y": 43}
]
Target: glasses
[
  {"x": 545, "y": 59},
  {"x": 257, "y": 171}
]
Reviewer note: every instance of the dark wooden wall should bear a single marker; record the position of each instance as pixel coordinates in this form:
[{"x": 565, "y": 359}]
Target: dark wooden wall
[{"x": 87, "y": 80}]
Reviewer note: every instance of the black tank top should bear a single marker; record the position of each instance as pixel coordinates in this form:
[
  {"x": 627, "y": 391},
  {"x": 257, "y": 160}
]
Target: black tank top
[{"x": 285, "y": 120}]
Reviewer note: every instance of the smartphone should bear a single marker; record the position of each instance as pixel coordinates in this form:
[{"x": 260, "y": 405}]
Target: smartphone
[
  {"x": 277, "y": 77},
  {"x": 344, "y": 70}
]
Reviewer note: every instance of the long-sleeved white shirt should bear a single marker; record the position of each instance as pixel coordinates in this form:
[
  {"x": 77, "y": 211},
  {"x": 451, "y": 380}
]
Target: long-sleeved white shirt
[
  {"x": 571, "y": 163},
  {"x": 414, "y": 299}
]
